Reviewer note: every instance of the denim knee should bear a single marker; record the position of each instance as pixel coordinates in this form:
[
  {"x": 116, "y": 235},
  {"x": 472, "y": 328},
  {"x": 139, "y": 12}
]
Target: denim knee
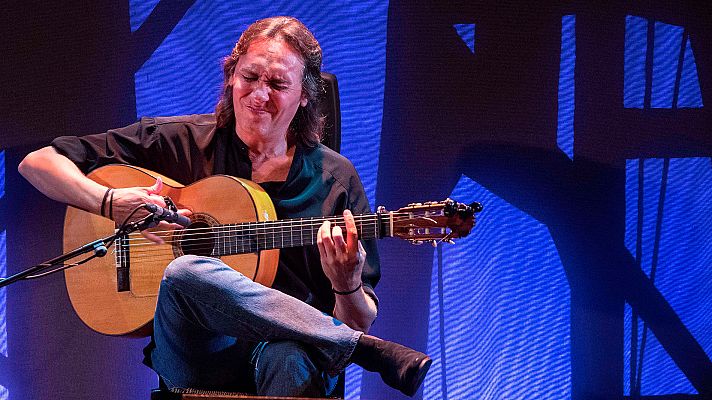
[
  {"x": 284, "y": 368},
  {"x": 188, "y": 268}
]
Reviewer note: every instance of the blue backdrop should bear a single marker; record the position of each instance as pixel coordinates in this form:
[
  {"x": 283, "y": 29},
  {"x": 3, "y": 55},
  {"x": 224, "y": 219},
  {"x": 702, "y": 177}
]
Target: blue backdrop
[{"x": 582, "y": 131}]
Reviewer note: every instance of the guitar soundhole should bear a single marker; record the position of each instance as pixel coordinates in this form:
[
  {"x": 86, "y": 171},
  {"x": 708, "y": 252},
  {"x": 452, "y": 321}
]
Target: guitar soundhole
[{"x": 198, "y": 239}]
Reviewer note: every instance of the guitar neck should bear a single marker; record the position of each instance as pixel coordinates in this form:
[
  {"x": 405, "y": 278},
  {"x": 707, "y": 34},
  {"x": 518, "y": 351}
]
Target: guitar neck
[{"x": 252, "y": 237}]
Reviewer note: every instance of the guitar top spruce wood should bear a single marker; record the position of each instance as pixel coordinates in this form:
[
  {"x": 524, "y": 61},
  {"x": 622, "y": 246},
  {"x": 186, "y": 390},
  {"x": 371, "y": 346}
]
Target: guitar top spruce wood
[{"x": 233, "y": 219}]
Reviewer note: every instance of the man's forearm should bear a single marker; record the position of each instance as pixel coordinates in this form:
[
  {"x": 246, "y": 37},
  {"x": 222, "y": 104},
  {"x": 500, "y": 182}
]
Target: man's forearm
[
  {"x": 58, "y": 178},
  {"x": 357, "y": 310}
]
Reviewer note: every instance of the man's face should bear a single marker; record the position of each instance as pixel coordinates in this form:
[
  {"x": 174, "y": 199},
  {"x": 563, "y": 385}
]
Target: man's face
[{"x": 267, "y": 89}]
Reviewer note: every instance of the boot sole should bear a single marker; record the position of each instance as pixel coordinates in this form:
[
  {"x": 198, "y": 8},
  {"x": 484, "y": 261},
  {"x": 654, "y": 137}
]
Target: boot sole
[{"x": 419, "y": 377}]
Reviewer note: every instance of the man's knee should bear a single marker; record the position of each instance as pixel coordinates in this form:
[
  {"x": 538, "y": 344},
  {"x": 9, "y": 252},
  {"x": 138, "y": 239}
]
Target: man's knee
[
  {"x": 286, "y": 355},
  {"x": 187, "y": 268},
  {"x": 285, "y": 368}
]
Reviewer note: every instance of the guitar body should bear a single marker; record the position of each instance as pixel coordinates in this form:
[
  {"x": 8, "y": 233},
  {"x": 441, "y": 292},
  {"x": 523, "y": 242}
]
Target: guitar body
[{"x": 94, "y": 287}]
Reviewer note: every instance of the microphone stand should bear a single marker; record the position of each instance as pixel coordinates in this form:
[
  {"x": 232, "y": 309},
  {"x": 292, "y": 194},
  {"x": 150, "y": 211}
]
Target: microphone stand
[{"x": 99, "y": 247}]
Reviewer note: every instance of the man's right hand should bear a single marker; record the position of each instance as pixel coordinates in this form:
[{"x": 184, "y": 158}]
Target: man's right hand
[
  {"x": 58, "y": 178},
  {"x": 125, "y": 201}
]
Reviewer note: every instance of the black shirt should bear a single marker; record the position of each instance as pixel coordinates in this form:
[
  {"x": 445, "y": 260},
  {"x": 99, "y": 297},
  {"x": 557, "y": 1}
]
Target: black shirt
[{"x": 188, "y": 148}]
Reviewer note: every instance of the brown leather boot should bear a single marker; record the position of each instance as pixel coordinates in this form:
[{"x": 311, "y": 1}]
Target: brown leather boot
[{"x": 400, "y": 367}]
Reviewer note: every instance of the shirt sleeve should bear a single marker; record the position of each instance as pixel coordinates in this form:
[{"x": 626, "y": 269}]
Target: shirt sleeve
[
  {"x": 134, "y": 144},
  {"x": 177, "y": 147}
]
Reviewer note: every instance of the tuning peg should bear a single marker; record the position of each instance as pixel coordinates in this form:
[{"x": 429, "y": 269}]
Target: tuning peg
[
  {"x": 435, "y": 243},
  {"x": 447, "y": 239},
  {"x": 476, "y": 206},
  {"x": 428, "y": 219}
]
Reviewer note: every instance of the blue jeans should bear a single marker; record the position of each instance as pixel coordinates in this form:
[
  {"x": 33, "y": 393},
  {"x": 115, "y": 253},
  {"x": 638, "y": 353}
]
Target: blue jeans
[{"x": 211, "y": 325}]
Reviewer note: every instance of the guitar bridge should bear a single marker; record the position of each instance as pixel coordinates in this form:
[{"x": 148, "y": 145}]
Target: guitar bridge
[{"x": 123, "y": 277}]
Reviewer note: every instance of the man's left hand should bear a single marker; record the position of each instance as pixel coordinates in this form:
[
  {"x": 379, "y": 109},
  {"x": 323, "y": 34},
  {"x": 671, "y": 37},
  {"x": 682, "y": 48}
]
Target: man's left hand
[{"x": 342, "y": 258}]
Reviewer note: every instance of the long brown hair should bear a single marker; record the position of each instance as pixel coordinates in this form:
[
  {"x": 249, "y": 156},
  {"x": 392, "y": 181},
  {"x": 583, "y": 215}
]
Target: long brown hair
[{"x": 308, "y": 123}]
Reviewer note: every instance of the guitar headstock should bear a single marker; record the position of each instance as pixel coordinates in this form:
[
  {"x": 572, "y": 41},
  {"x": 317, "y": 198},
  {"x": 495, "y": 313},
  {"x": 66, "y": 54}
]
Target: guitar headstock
[{"x": 434, "y": 221}]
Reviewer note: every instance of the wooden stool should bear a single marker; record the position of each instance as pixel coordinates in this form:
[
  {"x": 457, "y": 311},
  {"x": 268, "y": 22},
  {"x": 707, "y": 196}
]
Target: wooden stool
[{"x": 194, "y": 394}]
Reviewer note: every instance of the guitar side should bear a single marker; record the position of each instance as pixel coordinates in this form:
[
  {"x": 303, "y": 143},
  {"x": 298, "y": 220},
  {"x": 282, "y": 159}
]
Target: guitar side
[{"x": 92, "y": 287}]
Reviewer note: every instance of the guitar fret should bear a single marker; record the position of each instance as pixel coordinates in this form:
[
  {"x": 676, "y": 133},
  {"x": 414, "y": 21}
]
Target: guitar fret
[
  {"x": 254, "y": 242},
  {"x": 252, "y": 239},
  {"x": 261, "y": 232},
  {"x": 233, "y": 234},
  {"x": 300, "y": 233},
  {"x": 310, "y": 232},
  {"x": 261, "y": 235},
  {"x": 219, "y": 248},
  {"x": 266, "y": 236},
  {"x": 240, "y": 246}
]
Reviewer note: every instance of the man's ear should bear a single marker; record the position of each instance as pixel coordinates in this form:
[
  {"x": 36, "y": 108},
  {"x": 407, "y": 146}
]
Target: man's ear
[{"x": 304, "y": 101}]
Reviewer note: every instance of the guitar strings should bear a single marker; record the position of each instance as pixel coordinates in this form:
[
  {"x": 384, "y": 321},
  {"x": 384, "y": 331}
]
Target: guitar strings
[
  {"x": 226, "y": 232},
  {"x": 214, "y": 248},
  {"x": 248, "y": 242},
  {"x": 212, "y": 245},
  {"x": 246, "y": 227},
  {"x": 224, "y": 239},
  {"x": 303, "y": 221}
]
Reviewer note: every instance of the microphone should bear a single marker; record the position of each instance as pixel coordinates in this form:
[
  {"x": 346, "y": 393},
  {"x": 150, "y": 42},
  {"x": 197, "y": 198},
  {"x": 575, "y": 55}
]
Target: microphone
[{"x": 164, "y": 214}]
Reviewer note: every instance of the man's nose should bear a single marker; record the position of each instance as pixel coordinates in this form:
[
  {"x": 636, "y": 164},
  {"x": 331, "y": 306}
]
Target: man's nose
[{"x": 261, "y": 91}]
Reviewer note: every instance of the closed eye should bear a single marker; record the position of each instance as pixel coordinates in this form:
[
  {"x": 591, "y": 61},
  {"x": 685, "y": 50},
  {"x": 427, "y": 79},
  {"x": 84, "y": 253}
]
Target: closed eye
[{"x": 278, "y": 86}]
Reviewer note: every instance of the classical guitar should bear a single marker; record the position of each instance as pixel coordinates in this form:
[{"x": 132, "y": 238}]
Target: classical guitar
[{"x": 233, "y": 219}]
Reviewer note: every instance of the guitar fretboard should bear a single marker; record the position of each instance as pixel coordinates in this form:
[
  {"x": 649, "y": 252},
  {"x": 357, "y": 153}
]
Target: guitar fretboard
[{"x": 252, "y": 237}]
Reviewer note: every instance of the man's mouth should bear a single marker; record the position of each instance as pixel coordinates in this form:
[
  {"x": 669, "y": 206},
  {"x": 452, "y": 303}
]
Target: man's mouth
[{"x": 257, "y": 110}]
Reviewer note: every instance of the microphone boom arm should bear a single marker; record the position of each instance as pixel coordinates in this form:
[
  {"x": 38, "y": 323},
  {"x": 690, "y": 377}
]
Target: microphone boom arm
[{"x": 99, "y": 247}]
